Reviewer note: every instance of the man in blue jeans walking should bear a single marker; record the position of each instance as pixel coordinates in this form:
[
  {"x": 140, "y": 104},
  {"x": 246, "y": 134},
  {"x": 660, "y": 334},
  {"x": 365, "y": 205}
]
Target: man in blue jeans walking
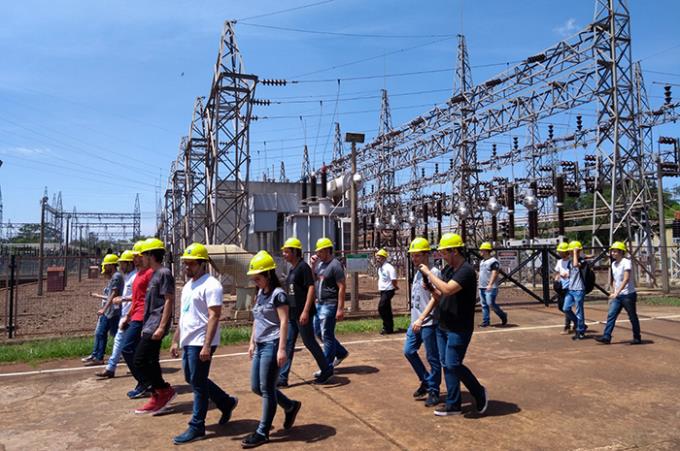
[
  {"x": 198, "y": 335},
  {"x": 456, "y": 294},
  {"x": 488, "y": 285},
  {"x": 300, "y": 290},
  {"x": 330, "y": 294},
  {"x": 623, "y": 294},
  {"x": 423, "y": 331},
  {"x": 577, "y": 291}
]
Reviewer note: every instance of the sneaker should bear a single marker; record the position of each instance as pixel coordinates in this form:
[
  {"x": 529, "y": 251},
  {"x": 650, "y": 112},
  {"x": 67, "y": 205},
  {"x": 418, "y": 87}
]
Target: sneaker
[
  {"x": 282, "y": 384},
  {"x": 322, "y": 378},
  {"x": 636, "y": 341},
  {"x": 432, "y": 399},
  {"x": 317, "y": 374},
  {"x": 87, "y": 359},
  {"x": 105, "y": 374},
  {"x": 187, "y": 436},
  {"x": 165, "y": 396},
  {"x": 150, "y": 406},
  {"x": 422, "y": 391},
  {"x": 291, "y": 414},
  {"x": 139, "y": 392},
  {"x": 447, "y": 411},
  {"x": 579, "y": 336},
  {"x": 504, "y": 320},
  {"x": 603, "y": 340},
  {"x": 339, "y": 360},
  {"x": 482, "y": 402},
  {"x": 94, "y": 362},
  {"x": 226, "y": 414},
  {"x": 254, "y": 440},
  {"x": 484, "y": 325}
]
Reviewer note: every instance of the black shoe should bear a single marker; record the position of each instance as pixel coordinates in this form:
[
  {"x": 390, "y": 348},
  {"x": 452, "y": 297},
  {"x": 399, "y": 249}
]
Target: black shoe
[
  {"x": 484, "y": 325},
  {"x": 432, "y": 399},
  {"x": 604, "y": 340},
  {"x": 504, "y": 320},
  {"x": 636, "y": 341},
  {"x": 254, "y": 440},
  {"x": 447, "y": 411},
  {"x": 106, "y": 374},
  {"x": 579, "y": 336},
  {"x": 282, "y": 384},
  {"x": 422, "y": 391},
  {"x": 482, "y": 402},
  {"x": 188, "y": 436},
  {"x": 291, "y": 414},
  {"x": 226, "y": 414},
  {"x": 323, "y": 377}
]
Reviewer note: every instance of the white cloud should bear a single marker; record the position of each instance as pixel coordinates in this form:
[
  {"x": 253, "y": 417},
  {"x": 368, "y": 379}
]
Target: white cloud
[
  {"x": 567, "y": 28},
  {"x": 20, "y": 151}
]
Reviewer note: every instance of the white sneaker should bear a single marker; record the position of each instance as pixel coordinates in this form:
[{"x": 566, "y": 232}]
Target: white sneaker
[
  {"x": 338, "y": 360},
  {"x": 317, "y": 374}
]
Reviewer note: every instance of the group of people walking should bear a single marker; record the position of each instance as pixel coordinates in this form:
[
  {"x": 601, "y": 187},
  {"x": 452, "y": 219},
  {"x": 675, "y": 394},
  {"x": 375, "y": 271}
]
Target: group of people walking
[{"x": 137, "y": 307}]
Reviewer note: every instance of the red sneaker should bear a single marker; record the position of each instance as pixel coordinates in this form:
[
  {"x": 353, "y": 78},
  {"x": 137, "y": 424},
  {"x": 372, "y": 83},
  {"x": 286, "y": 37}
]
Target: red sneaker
[
  {"x": 164, "y": 397},
  {"x": 150, "y": 406}
]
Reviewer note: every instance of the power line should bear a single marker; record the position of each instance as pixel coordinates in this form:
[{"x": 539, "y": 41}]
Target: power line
[
  {"x": 283, "y": 11},
  {"x": 348, "y": 99},
  {"x": 351, "y": 35},
  {"x": 346, "y": 112}
]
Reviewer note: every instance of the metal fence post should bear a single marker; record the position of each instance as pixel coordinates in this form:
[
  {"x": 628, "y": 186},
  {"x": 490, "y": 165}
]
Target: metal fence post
[
  {"x": 10, "y": 322},
  {"x": 545, "y": 275}
]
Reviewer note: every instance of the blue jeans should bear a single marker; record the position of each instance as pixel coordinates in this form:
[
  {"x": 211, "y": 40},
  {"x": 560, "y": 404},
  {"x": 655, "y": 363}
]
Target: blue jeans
[
  {"x": 488, "y": 298},
  {"x": 628, "y": 302},
  {"x": 116, "y": 351},
  {"x": 196, "y": 374},
  {"x": 307, "y": 333},
  {"x": 105, "y": 326},
  {"x": 452, "y": 347},
  {"x": 324, "y": 328},
  {"x": 131, "y": 337},
  {"x": 263, "y": 376},
  {"x": 576, "y": 297},
  {"x": 427, "y": 336}
]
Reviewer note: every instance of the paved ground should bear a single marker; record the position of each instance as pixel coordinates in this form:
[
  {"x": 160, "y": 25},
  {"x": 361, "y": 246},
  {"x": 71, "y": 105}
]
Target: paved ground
[{"x": 546, "y": 391}]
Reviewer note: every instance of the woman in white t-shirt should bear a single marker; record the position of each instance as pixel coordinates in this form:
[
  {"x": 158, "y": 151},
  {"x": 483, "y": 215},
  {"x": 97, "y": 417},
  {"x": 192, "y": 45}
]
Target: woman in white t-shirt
[{"x": 623, "y": 294}]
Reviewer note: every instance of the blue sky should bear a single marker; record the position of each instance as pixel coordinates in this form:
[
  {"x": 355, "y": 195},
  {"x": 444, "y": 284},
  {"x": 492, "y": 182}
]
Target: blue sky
[{"x": 94, "y": 96}]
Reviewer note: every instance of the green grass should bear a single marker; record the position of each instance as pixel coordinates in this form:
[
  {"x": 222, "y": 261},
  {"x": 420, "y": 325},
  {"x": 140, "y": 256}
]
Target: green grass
[
  {"x": 659, "y": 300},
  {"x": 34, "y": 352}
]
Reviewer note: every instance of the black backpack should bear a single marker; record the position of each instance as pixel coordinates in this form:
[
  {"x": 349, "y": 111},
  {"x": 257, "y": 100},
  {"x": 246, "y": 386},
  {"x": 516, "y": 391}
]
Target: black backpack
[{"x": 588, "y": 276}]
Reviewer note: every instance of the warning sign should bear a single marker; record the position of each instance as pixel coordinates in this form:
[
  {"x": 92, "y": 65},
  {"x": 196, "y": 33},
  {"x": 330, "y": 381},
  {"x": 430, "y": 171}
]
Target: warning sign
[{"x": 508, "y": 259}]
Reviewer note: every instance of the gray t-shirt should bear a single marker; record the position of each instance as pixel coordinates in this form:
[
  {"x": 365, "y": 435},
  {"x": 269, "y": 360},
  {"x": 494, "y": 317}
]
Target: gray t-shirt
[
  {"x": 486, "y": 267},
  {"x": 420, "y": 297},
  {"x": 265, "y": 316},
  {"x": 116, "y": 283},
  {"x": 328, "y": 275},
  {"x": 575, "y": 279},
  {"x": 162, "y": 283}
]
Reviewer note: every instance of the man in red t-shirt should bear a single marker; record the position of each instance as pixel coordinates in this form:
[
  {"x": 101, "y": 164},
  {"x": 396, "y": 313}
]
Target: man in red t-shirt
[{"x": 132, "y": 322}]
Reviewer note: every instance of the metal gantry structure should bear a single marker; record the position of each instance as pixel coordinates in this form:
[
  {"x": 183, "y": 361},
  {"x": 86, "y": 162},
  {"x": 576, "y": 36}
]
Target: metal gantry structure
[{"x": 591, "y": 68}]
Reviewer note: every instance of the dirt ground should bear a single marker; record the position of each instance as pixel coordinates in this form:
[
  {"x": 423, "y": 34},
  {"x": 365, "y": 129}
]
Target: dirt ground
[{"x": 546, "y": 392}]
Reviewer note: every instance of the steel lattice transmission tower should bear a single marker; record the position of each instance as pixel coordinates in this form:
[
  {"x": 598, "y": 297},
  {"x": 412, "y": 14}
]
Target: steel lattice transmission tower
[
  {"x": 195, "y": 160},
  {"x": 306, "y": 166},
  {"x": 386, "y": 202},
  {"x": 227, "y": 123},
  {"x": 136, "y": 220}
]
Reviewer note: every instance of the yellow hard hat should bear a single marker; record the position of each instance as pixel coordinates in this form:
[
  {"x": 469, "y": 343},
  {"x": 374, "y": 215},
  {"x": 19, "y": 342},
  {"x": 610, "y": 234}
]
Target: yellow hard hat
[
  {"x": 152, "y": 244},
  {"x": 137, "y": 248},
  {"x": 419, "y": 244},
  {"x": 486, "y": 246},
  {"x": 292, "y": 243},
  {"x": 260, "y": 263},
  {"x": 381, "y": 253},
  {"x": 575, "y": 245},
  {"x": 323, "y": 243},
  {"x": 195, "y": 251},
  {"x": 109, "y": 259},
  {"x": 619, "y": 246},
  {"x": 127, "y": 256},
  {"x": 450, "y": 241},
  {"x": 563, "y": 247}
]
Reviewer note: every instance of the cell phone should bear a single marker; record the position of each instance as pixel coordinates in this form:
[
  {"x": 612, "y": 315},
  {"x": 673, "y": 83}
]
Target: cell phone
[{"x": 426, "y": 281}]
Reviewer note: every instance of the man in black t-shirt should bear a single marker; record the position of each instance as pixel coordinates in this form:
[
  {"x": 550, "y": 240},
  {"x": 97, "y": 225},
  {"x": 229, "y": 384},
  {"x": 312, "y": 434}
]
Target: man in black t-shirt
[
  {"x": 300, "y": 289},
  {"x": 456, "y": 294}
]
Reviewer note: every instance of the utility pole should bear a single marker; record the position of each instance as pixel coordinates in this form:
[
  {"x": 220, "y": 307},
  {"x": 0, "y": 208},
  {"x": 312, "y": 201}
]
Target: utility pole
[
  {"x": 663, "y": 250},
  {"x": 354, "y": 138},
  {"x": 41, "y": 249},
  {"x": 68, "y": 236}
]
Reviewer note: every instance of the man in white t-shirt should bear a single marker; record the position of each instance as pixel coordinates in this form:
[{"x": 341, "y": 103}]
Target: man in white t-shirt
[
  {"x": 623, "y": 294},
  {"x": 198, "y": 335},
  {"x": 387, "y": 284}
]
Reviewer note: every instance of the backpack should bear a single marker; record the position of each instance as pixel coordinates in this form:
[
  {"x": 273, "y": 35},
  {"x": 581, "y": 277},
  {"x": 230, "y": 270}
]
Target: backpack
[{"x": 588, "y": 277}]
